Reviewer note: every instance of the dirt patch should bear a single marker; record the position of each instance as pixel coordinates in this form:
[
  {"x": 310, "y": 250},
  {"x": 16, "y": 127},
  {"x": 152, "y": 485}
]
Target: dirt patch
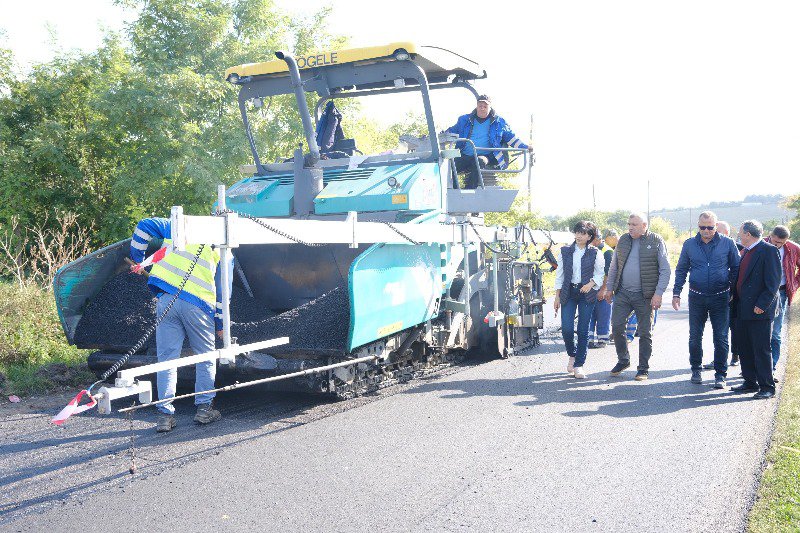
[{"x": 63, "y": 375}]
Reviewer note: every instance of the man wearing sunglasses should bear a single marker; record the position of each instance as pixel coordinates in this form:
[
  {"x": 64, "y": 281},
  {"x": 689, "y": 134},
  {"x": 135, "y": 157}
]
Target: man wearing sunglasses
[{"x": 711, "y": 261}]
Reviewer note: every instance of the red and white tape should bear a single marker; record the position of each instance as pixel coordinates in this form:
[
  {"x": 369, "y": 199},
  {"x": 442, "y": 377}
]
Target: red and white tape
[
  {"x": 73, "y": 408},
  {"x": 155, "y": 258}
]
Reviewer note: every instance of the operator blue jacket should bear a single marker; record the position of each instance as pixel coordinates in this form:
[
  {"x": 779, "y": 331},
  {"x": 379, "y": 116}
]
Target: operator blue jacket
[
  {"x": 712, "y": 268},
  {"x": 159, "y": 228},
  {"x": 499, "y": 134}
]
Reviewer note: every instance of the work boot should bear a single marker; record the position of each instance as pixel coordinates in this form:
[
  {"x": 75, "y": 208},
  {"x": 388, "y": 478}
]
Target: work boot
[
  {"x": 571, "y": 365},
  {"x": 165, "y": 423},
  {"x": 696, "y": 377},
  {"x": 619, "y": 367},
  {"x": 734, "y": 360},
  {"x": 206, "y": 414}
]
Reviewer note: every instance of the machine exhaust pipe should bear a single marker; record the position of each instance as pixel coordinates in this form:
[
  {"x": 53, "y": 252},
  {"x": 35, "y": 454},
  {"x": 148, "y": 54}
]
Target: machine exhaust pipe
[
  {"x": 299, "y": 94},
  {"x": 307, "y": 173}
]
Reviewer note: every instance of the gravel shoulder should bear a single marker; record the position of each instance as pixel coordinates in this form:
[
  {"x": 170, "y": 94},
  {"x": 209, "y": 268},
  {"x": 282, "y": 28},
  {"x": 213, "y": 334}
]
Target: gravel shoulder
[{"x": 505, "y": 445}]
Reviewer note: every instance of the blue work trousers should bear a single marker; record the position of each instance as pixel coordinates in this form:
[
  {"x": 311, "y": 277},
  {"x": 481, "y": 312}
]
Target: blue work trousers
[
  {"x": 576, "y": 303},
  {"x": 184, "y": 320},
  {"x": 777, "y": 328},
  {"x": 600, "y": 324},
  {"x": 715, "y": 308}
]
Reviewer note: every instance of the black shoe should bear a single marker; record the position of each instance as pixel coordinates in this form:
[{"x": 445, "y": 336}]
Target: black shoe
[
  {"x": 206, "y": 414},
  {"x": 619, "y": 367},
  {"x": 592, "y": 344},
  {"x": 709, "y": 366},
  {"x": 734, "y": 360},
  {"x": 696, "y": 377},
  {"x": 744, "y": 388},
  {"x": 719, "y": 382},
  {"x": 763, "y": 395},
  {"x": 642, "y": 375}
]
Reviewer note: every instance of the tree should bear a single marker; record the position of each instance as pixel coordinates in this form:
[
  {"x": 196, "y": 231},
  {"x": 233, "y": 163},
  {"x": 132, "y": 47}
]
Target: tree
[
  {"x": 145, "y": 121},
  {"x": 794, "y": 225},
  {"x": 663, "y": 227}
]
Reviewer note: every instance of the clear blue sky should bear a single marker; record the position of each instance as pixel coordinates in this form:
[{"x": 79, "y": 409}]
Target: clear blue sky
[{"x": 702, "y": 98}]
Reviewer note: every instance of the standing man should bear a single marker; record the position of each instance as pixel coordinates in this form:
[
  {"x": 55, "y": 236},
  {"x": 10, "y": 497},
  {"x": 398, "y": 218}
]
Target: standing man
[
  {"x": 790, "y": 279},
  {"x": 756, "y": 297},
  {"x": 600, "y": 324},
  {"x": 712, "y": 262},
  {"x": 723, "y": 228},
  {"x": 486, "y": 129},
  {"x": 195, "y": 314},
  {"x": 637, "y": 279}
]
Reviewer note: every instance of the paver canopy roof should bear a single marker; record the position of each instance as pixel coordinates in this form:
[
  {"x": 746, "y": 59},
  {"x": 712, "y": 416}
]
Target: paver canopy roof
[{"x": 438, "y": 63}]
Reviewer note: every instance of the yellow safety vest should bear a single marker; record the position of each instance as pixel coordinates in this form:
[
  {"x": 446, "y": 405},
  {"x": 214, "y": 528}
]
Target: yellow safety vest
[{"x": 172, "y": 269}]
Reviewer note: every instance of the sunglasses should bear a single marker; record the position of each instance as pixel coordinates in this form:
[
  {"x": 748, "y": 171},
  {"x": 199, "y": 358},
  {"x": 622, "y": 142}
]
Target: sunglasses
[{"x": 709, "y": 228}]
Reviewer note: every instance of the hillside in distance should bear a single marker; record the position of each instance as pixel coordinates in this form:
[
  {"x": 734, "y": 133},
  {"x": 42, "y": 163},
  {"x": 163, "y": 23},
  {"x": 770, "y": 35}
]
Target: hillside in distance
[{"x": 769, "y": 210}]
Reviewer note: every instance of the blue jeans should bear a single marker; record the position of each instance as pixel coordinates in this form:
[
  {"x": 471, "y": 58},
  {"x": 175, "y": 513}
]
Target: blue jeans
[
  {"x": 702, "y": 308},
  {"x": 575, "y": 302},
  {"x": 600, "y": 324},
  {"x": 184, "y": 320},
  {"x": 777, "y": 328}
]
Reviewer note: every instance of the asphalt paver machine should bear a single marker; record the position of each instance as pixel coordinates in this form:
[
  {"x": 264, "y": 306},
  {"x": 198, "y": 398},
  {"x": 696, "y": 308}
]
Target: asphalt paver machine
[{"x": 376, "y": 267}]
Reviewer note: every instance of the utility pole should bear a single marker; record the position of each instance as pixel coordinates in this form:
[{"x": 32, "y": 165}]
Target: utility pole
[{"x": 530, "y": 171}]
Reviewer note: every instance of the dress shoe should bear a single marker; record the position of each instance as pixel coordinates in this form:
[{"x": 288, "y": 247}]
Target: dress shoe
[
  {"x": 763, "y": 395},
  {"x": 744, "y": 388}
]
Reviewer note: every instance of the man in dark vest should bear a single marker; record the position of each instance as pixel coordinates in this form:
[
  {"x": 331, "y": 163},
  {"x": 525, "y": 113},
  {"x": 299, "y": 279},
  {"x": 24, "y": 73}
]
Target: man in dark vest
[{"x": 638, "y": 276}]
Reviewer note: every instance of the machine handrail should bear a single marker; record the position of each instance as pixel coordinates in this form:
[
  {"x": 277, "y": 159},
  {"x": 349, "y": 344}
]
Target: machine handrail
[{"x": 523, "y": 151}]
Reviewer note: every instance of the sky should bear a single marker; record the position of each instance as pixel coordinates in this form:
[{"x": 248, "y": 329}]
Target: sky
[{"x": 700, "y": 98}]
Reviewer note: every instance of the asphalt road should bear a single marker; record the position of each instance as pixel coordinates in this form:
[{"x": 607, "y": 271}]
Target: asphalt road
[{"x": 504, "y": 445}]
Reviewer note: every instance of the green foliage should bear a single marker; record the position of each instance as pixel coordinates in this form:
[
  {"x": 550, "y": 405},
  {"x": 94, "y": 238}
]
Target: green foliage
[
  {"x": 145, "y": 121},
  {"x": 518, "y": 214},
  {"x": 604, "y": 220},
  {"x": 664, "y": 228},
  {"x": 34, "y": 355},
  {"x": 30, "y": 331},
  {"x": 794, "y": 224},
  {"x": 777, "y": 507}
]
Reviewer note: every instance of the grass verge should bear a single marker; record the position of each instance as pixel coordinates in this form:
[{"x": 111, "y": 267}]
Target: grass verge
[
  {"x": 34, "y": 354},
  {"x": 777, "y": 506}
]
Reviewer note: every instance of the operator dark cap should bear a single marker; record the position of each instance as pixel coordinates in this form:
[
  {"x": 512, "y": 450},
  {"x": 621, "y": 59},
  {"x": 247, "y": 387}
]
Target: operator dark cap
[{"x": 485, "y": 98}]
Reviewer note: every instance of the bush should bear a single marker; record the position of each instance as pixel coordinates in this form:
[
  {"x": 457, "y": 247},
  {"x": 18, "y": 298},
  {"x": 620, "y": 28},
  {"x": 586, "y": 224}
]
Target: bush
[
  {"x": 31, "y": 336},
  {"x": 664, "y": 228}
]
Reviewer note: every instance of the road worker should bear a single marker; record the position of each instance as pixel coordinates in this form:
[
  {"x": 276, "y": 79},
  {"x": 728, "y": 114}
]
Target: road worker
[{"x": 195, "y": 314}]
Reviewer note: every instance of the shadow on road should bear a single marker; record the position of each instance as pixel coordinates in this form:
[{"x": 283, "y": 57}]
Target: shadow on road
[{"x": 617, "y": 397}]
